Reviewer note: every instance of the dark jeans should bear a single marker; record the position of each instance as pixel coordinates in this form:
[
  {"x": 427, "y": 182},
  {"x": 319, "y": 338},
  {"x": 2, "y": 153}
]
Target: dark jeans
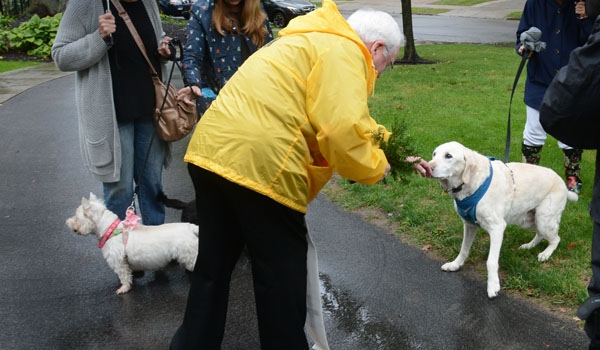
[{"x": 230, "y": 217}]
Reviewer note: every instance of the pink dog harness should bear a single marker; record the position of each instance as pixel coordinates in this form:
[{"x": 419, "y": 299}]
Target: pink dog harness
[
  {"x": 109, "y": 232},
  {"x": 130, "y": 222}
]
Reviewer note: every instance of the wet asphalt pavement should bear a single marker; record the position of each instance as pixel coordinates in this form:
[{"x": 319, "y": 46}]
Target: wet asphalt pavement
[{"x": 58, "y": 293}]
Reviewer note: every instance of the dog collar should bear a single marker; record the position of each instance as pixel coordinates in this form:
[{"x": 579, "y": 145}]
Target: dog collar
[
  {"x": 456, "y": 189},
  {"x": 108, "y": 232}
]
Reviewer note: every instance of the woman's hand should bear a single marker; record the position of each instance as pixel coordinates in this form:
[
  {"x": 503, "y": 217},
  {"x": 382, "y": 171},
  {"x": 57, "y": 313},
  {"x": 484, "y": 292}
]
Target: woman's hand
[
  {"x": 580, "y": 9},
  {"x": 188, "y": 94},
  {"x": 163, "y": 49},
  {"x": 106, "y": 24}
]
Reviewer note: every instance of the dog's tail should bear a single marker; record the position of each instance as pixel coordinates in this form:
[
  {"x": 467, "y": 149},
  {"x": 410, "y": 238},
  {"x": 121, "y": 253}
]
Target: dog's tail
[
  {"x": 572, "y": 196},
  {"x": 171, "y": 203}
]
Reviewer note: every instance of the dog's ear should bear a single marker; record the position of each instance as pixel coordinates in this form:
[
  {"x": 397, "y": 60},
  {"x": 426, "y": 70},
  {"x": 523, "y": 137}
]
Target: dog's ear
[
  {"x": 85, "y": 204},
  {"x": 470, "y": 167},
  {"x": 93, "y": 197}
]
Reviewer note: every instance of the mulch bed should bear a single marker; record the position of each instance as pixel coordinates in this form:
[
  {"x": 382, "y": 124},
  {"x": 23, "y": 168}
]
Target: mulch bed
[{"x": 20, "y": 56}]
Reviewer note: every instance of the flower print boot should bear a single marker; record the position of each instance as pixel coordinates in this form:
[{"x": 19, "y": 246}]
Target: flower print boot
[
  {"x": 531, "y": 154},
  {"x": 573, "y": 169}
]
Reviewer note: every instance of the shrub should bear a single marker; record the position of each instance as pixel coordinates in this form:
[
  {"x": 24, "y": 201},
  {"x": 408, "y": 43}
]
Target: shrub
[
  {"x": 398, "y": 147},
  {"x": 5, "y": 22},
  {"x": 34, "y": 37}
]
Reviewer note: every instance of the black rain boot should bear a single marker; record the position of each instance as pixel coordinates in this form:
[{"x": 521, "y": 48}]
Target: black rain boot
[
  {"x": 573, "y": 169},
  {"x": 531, "y": 154}
]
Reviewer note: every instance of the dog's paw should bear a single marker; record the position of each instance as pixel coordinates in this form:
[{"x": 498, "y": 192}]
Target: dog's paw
[
  {"x": 527, "y": 246},
  {"x": 451, "y": 266},
  {"x": 493, "y": 289},
  {"x": 493, "y": 285},
  {"x": 123, "y": 289},
  {"x": 543, "y": 256}
]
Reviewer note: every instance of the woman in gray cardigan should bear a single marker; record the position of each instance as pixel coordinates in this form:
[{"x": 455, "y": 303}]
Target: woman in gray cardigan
[{"x": 115, "y": 98}]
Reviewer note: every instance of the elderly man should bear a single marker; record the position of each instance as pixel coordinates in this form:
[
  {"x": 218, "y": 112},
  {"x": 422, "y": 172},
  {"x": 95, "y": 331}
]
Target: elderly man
[{"x": 294, "y": 112}]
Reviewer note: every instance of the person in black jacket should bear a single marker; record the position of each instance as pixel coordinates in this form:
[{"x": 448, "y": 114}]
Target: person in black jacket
[{"x": 569, "y": 112}]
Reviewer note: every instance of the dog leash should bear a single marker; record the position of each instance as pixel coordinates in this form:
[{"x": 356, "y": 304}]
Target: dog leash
[
  {"x": 137, "y": 183},
  {"x": 530, "y": 42},
  {"x": 512, "y": 93}
]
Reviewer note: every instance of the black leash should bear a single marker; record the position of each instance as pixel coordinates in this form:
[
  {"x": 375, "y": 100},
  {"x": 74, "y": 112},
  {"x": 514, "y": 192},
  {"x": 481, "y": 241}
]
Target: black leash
[
  {"x": 175, "y": 60},
  {"x": 507, "y": 147}
]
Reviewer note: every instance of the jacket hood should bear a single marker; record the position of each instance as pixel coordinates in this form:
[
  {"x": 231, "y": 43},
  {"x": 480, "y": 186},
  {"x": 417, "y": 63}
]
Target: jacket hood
[{"x": 328, "y": 19}]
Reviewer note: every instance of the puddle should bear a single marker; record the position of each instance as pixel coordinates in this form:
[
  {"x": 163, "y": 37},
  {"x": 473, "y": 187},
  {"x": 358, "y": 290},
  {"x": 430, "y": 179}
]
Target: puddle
[{"x": 362, "y": 329}]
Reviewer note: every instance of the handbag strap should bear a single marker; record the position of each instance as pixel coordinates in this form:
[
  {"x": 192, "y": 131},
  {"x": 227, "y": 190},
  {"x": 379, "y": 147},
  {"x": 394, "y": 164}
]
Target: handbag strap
[{"x": 125, "y": 16}]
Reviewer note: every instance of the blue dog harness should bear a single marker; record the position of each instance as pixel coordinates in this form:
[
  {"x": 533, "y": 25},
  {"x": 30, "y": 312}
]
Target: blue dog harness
[{"x": 466, "y": 206}]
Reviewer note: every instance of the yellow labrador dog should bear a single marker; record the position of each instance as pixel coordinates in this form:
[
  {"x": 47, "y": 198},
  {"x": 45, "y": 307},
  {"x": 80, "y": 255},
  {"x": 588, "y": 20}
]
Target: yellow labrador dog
[{"x": 491, "y": 194}]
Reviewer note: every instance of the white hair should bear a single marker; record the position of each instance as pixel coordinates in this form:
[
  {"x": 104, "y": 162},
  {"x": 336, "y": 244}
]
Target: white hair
[{"x": 372, "y": 25}]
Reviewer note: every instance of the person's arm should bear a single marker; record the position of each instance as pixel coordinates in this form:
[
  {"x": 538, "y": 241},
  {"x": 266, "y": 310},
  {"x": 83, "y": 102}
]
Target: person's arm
[
  {"x": 337, "y": 94},
  {"x": 194, "y": 47},
  {"x": 524, "y": 24},
  {"x": 193, "y": 56},
  {"x": 78, "y": 45},
  {"x": 585, "y": 22}
]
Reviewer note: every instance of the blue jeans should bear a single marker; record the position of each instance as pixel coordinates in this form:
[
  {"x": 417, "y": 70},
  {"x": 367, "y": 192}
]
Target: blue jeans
[{"x": 135, "y": 140}]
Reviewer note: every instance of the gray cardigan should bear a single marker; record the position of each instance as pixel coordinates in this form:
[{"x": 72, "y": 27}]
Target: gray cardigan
[{"x": 79, "y": 47}]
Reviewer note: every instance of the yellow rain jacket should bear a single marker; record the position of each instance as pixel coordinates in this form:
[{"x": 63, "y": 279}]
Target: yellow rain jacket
[{"x": 295, "y": 112}]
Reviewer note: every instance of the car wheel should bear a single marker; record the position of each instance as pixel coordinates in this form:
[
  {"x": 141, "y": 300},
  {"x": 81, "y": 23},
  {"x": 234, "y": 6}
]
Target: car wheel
[{"x": 279, "y": 20}]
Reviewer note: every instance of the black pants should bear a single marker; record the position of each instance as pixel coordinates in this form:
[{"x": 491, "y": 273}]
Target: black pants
[
  {"x": 230, "y": 217},
  {"x": 592, "y": 324}
]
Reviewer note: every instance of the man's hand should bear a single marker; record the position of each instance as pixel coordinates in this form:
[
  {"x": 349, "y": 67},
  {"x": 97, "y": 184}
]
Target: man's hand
[
  {"x": 388, "y": 168},
  {"x": 420, "y": 166}
]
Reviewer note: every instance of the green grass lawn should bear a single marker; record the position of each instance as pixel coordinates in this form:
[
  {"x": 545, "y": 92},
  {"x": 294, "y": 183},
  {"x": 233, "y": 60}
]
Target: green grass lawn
[
  {"x": 6, "y": 66},
  {"x": 465, "y": 98}
]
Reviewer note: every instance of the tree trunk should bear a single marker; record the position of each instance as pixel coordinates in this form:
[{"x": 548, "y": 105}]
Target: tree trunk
[{"x": 410, "y": 50}]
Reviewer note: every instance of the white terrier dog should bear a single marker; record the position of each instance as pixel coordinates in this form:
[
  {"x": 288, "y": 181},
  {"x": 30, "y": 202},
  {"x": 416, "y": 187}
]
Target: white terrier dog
[{"x": 128, "y": 246}]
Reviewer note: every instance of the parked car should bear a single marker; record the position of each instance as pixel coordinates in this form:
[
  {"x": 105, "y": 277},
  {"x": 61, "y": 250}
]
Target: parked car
[
  {"x": 280, "y": 12},
  {"x": 176, "y": 8}
]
